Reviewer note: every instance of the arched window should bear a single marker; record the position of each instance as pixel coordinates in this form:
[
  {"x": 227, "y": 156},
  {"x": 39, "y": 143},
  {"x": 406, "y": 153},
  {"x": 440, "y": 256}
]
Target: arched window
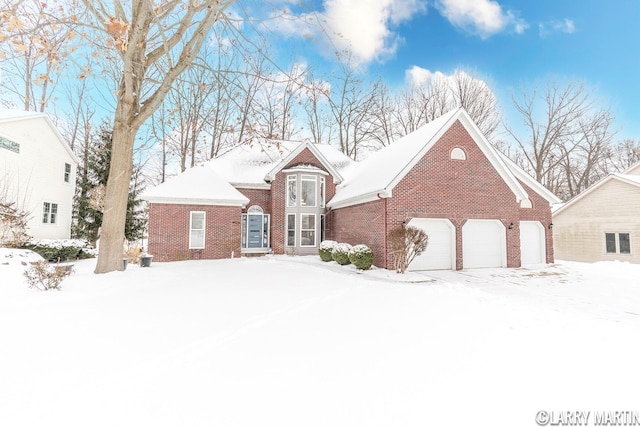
[{"x": 458, "y": 154}]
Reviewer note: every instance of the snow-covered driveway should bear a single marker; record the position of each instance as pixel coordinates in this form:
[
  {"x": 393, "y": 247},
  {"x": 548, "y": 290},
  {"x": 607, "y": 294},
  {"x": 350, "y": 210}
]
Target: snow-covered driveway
[{"x": 289, "y": 341}]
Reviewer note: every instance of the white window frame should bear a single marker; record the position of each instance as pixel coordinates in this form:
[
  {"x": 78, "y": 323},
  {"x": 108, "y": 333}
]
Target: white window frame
[
  {"x": 314, "y": 229},
  {"x": 616, "y": 242},
  {"x": 286, "y": 233},
  {"x": 323, "y": 192},
  {"x": 309, "y": 178},
  {"x": 291, "y": 178},
  {"x": 203, "y": 229},
  {"x": 49, "y": 213},
  {"x": 67, "y": 172}
]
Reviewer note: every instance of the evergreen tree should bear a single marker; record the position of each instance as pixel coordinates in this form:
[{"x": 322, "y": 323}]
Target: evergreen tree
[{"x": 91, "y": 183}]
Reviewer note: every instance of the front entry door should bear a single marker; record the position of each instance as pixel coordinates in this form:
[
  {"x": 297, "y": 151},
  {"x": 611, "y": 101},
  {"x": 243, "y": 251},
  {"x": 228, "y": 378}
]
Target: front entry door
[{"x": 254, "y": 231}]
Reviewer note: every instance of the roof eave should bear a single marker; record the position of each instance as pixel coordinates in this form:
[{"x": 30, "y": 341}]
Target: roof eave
[
  {"x": 357, "y": 200},
  {"x": 195, "y": 201}
]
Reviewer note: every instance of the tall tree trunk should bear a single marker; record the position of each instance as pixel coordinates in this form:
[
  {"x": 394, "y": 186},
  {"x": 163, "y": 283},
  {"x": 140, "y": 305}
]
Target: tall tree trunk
[{"x": 117, "y": 193}]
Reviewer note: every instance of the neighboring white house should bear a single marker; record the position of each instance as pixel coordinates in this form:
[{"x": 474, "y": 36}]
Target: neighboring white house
[
  {"x": 37, "y": 172},
  {"x": 601, "y": 223}
]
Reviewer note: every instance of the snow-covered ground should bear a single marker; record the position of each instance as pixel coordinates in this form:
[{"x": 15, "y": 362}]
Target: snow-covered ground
[{"x": 292, "y": 341}]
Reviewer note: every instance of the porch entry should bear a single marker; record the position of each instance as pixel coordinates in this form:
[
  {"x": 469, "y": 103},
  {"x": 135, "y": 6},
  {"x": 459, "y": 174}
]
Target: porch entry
[{"x": 255, "y": 231}]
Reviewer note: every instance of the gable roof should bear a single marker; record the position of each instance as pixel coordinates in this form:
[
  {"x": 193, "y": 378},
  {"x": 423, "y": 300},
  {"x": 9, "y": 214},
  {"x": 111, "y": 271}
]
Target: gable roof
[
  {"x": 8, "y": 115},
  {"x": 337, "y": 178},
  {"x": 378, "y": 175},
  {"x": 633, "y": 180},
  {"x": 254, "y": 165},
  {"x": 199, "y": 185}
]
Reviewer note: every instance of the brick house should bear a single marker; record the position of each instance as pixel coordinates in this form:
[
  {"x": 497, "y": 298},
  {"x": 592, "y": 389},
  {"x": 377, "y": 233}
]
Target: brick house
[{"x": 478, "y": 208}]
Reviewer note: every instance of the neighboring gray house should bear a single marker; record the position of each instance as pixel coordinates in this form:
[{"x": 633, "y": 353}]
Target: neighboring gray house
[
  {"x": 37, "y": 172},
  {"x": 603, "y": 222}
]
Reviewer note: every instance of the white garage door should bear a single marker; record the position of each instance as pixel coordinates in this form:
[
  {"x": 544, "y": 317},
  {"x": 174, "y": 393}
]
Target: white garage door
[
  {"x": 441, "y": 250},
  {"x": 483, "y": 244},
  {"x": 532, "y": 243}
]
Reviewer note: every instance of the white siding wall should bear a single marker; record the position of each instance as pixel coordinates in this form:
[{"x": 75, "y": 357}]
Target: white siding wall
[
  {"x": 579, "y": 231},
  {"x": 36, "y": 174}
]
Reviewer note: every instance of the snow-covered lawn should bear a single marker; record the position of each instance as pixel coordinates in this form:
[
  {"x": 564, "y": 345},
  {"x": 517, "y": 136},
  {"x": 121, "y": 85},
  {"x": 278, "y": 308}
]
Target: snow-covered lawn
[{"x": 292, "y": 341}]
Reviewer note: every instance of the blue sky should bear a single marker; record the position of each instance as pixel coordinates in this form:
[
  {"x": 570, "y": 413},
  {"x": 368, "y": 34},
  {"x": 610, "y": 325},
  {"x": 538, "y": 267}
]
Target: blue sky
[{"x": 509, "y": 43}]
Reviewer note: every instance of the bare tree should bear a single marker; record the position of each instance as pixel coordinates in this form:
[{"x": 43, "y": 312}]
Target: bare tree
[
  {"x": 350, "y": 102},
  {"x": 36, "y": 46},
  {"x": 315, "y": 97},
  {"x": 439, "y": 94},
  {"x": 473, "y": 94},
  {"x": 587, "y": 163},
  {"x": 551, "y": 122},
  {"x": 625, "y": 154},
  {"x": 276, "y": 102},
  {"x": 155, "y": 43},
  {"x": 384, "y": 127}
]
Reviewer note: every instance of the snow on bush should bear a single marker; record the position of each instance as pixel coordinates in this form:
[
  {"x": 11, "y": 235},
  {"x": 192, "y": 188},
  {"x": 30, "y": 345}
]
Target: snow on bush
[
  {"x": 326, "y": 246},
  {"x": 361, "y": 256},
  {"x": 61, "y": 249},
  {"x": 340, "y": 253}
]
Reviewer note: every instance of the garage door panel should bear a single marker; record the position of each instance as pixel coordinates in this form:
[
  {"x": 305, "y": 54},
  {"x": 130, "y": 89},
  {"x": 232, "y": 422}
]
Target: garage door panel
[
  {"x": 483, "y": 244},
  {"x": 532, "y": 243},
  {"x": 440, "y": 252}
]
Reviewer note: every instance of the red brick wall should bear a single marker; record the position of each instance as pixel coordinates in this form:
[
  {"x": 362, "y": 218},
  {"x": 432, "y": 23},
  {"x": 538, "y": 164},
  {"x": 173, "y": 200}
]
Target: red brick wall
[
  {"x": 258, "y": 197},
  {"x": 439, "y": 187},
  {"x": 361, "y": 224},
  {"x": 169, "y": 232}
]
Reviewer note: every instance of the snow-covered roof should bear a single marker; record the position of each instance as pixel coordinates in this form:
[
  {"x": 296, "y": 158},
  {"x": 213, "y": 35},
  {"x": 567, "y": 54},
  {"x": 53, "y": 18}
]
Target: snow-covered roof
[
  {"x": 630, "y": 178},
  {"x": 378, "y": 174},
  {"x": 337, "y": 177},
  {"x": 529, "y": 180},
  {"x": 252, "y": 165},
  {"x": 198, "y": 185}
]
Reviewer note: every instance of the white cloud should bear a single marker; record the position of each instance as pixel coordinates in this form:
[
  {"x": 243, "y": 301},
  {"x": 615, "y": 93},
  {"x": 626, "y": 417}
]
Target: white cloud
[
  {"x": 418, "y": 76},
  {"x": 566, "y": 26},
  {"x": 482, "y": 17},
  {"x": 362, "y": 27}
]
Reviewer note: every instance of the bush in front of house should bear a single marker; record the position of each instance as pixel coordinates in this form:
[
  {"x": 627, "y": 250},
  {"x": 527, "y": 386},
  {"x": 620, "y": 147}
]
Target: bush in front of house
[
  {"x": 61, "y": 250},
  {"x": 340, "y": 253},
  {"x": 361, "y": 256},
  {"x": 406, "y": 243},
  {"x": 326, "y": 246},
  {"x": 44, "y": 276}
]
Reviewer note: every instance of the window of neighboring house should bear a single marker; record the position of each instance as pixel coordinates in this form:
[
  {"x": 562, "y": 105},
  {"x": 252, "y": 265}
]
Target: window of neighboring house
[
  {"x": 196, "y": 230},
  {"x": 610, "y": 239},
  {"x": 10, "y": 145},
  {"x": 625, "y": 243},
  {"x": 49, "y": 213},
  {"x": 617, "y": 243},
  {"x": 307, "y": 229},
  {"x": 308, "y": 194},
  {"x": 291, "y": 190},
  {"x": 291, "y": 230},
  {"x": 67, "y": 172}
]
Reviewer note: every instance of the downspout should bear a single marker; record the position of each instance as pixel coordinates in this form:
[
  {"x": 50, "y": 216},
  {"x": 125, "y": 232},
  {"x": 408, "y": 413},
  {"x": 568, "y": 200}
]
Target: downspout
[{"x": 384, "y": 218}]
